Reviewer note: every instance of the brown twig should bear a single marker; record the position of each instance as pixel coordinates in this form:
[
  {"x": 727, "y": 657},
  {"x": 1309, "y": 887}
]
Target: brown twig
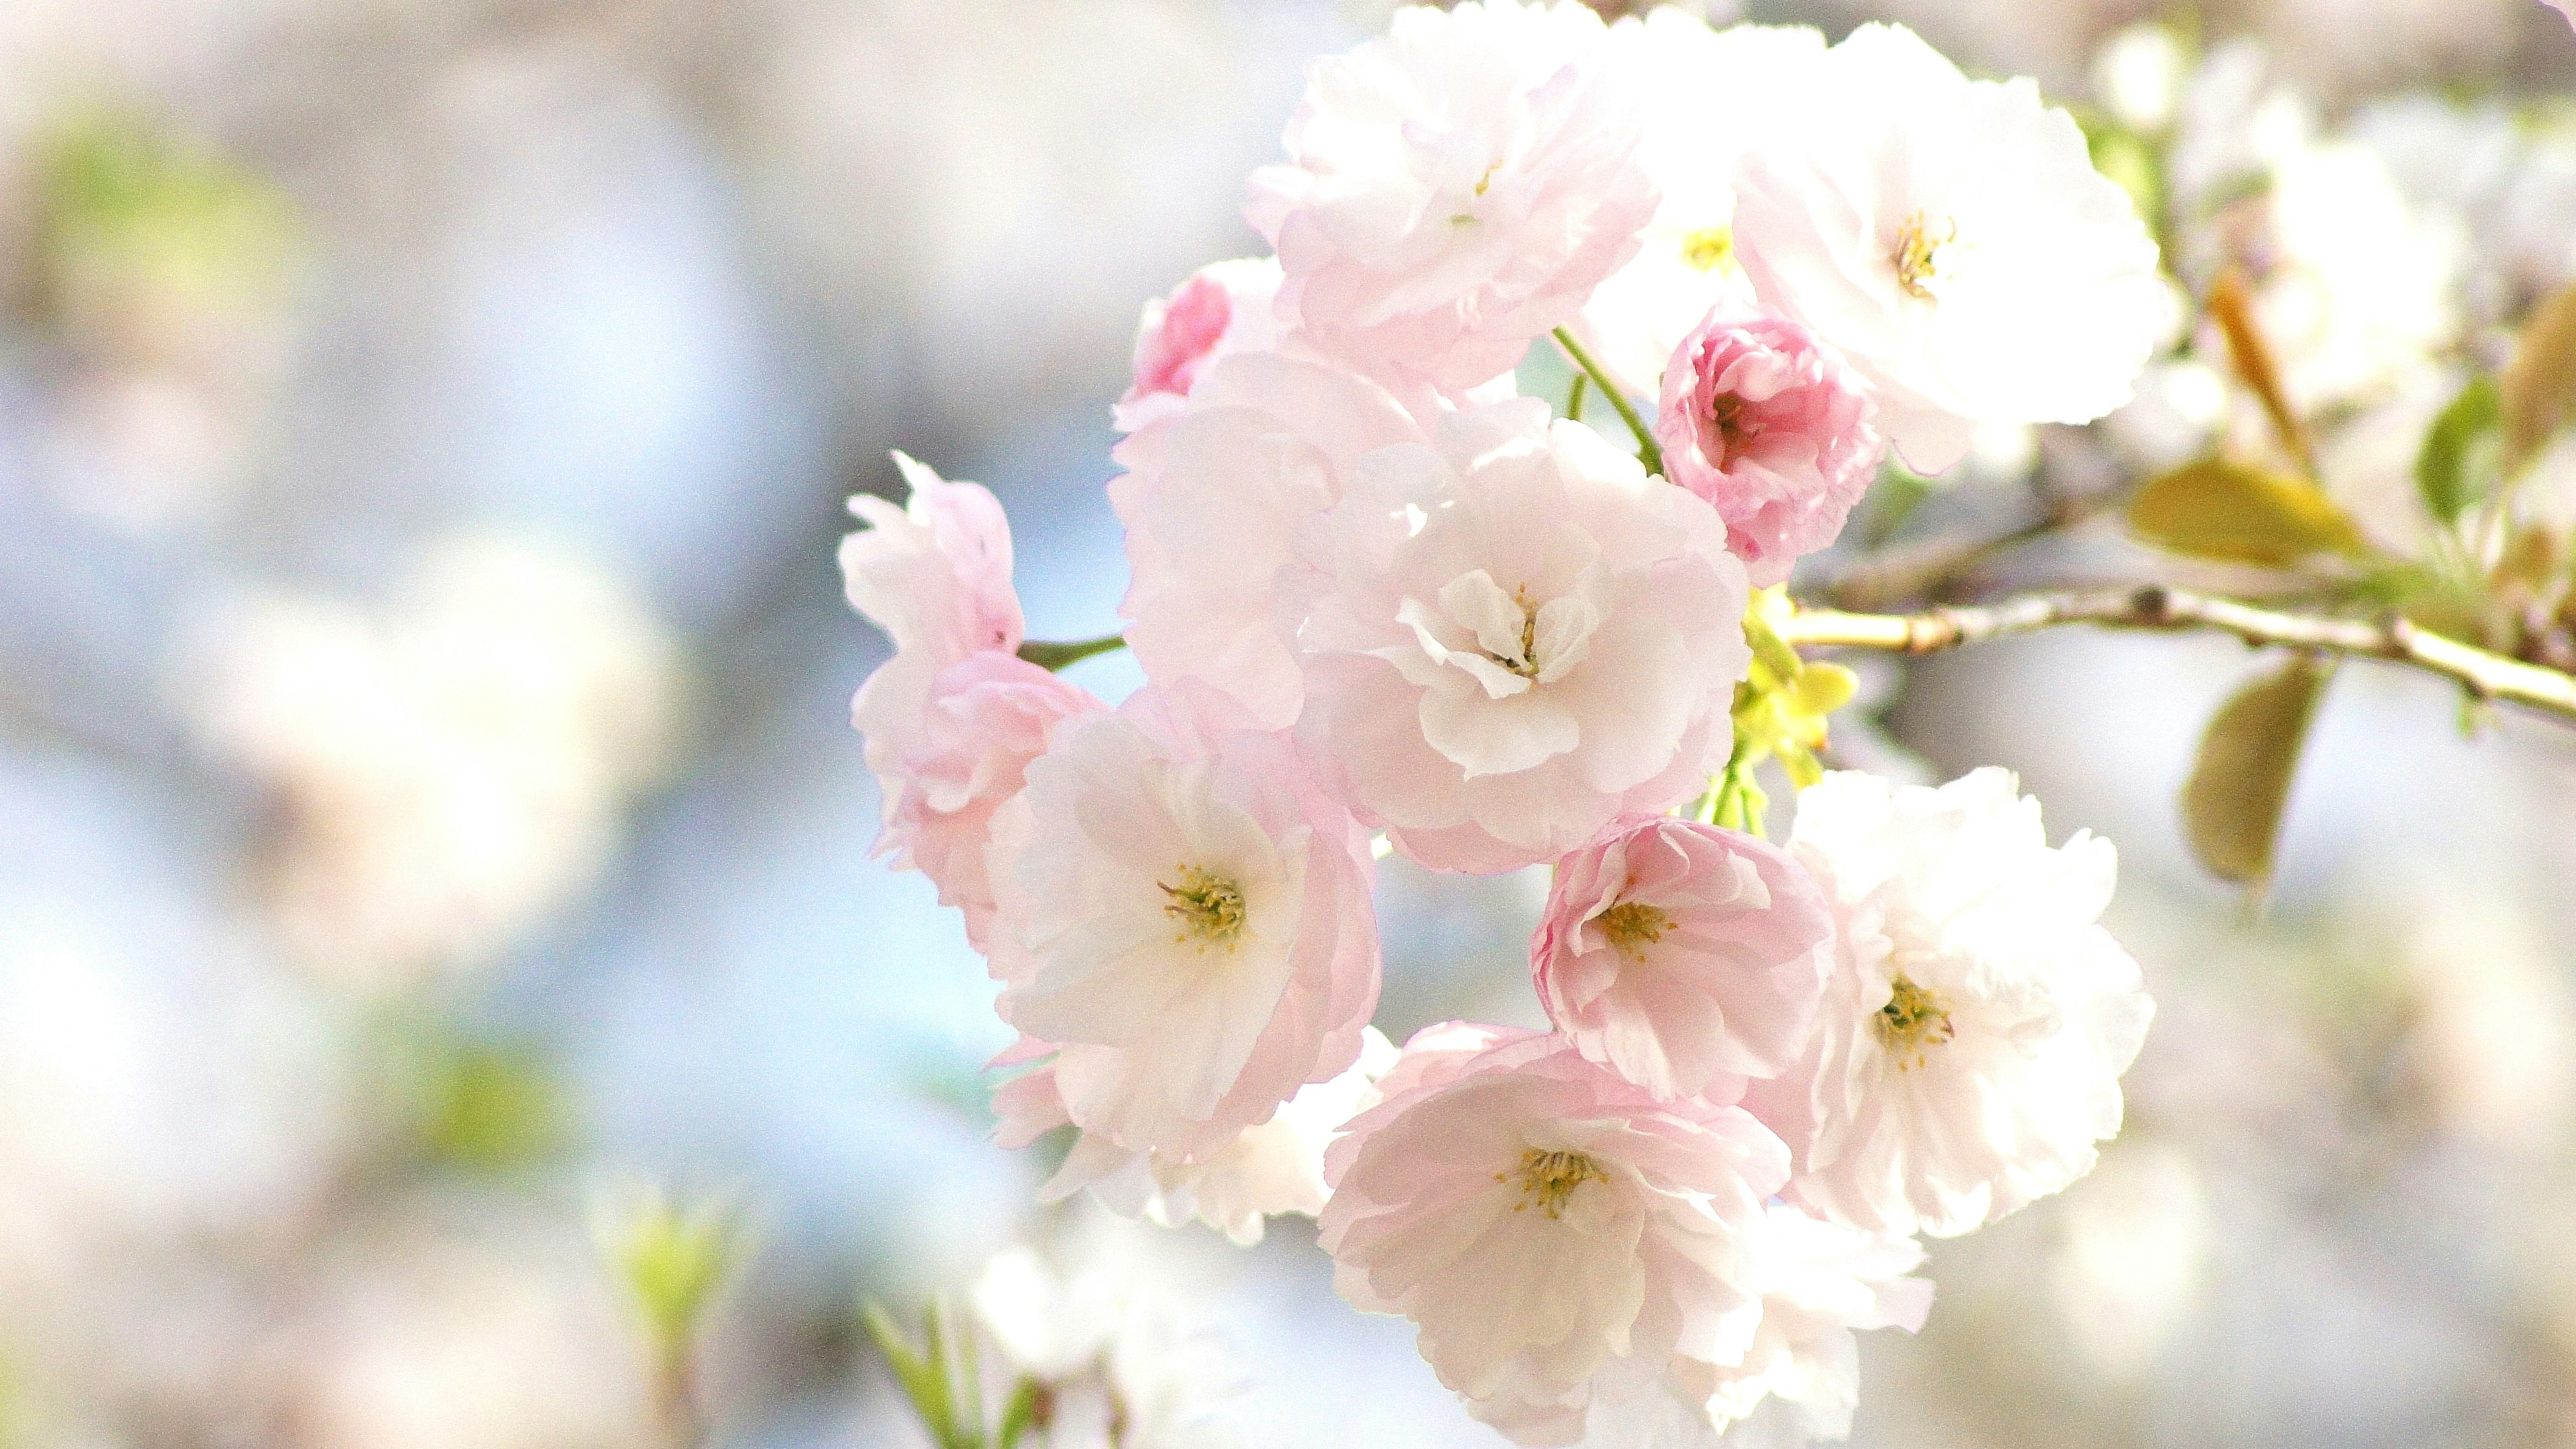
[{"x": 2484, "y": 675}]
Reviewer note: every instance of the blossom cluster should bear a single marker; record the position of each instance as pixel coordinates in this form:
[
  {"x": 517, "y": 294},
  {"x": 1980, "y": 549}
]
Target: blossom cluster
[{"x": 1385, "y": 603}]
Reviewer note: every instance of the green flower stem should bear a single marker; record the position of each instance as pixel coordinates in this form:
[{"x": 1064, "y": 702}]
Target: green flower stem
[{"x": 1647, "y": 453}]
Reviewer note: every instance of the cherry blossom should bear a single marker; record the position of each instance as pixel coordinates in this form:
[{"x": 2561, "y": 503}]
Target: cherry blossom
[
  {"x": 1696, "y": 136},
  {"x": 1511, "y": 636},
  {"x": 1675, "y": 953},
  {"x": 1455, "y": 188},
  {"x": 1213, "y": 498},
  {"x": 1221, "y": 309},
  {"x": 1553, "y": 1232},
  {"x": 1820, "y": 1284},
  {"x": 1186, "y": 917},
  {"x": 936, "y": 576},
  {"x": 1968, "y": 1055},
  {"x": 1273, "y": 1168},
  {"x": 1768, "y": 425},
  {"x": 989, "y": 715},
  {"x": 1952, "y": 240}
]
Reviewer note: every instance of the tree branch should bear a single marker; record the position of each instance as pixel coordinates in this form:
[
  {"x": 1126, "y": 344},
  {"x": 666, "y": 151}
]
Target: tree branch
[{"x": 2484, "y": 675}]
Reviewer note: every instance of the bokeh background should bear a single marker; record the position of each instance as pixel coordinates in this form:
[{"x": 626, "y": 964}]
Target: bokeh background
[{"x": 428, "y": 811}]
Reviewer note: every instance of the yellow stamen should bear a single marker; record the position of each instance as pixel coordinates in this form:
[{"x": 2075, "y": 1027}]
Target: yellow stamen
[
  {"x": 1710, "y": 248},
  {"x": 1208, "y": 906},
  {"x": 1548, "y": 1178},
  {"x": 1915, "y": 1019},
  {"x": 1632, "y": 926},
  {"x": 1918, "y": 252}
]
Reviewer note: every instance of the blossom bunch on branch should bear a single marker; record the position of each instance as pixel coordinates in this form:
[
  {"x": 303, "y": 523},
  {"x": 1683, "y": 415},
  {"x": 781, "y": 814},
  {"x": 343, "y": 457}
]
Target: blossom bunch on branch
[{"x": 1384, "y": 602}]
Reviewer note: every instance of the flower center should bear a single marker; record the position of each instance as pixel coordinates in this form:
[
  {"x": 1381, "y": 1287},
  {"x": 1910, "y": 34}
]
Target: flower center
[
  {"x": 1914, "y": 1020},
  {"x": 1919, "y": 244},
  {"x": 1549, "y": 1177},
  {"x": 1709, "y": 248},
  {"x": 1526, "y": 666},
  {"x": 1208, "y": 906},
  {"x": 1632, "y": 926}
]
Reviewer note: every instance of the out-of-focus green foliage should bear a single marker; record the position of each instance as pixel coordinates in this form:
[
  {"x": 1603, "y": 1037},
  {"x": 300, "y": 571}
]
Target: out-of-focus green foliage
[
  {"x": 673, "y": 1261},
  {"x": 495, "y": 1108},
  {"x": 131, "y": 215},
  {"x": 2463, "y": 453}
]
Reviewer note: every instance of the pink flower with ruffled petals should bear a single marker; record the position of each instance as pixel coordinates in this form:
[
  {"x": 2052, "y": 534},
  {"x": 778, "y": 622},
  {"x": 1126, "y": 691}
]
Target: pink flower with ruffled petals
[
  {"x": 1455, "y": 188},
  {"x": 1555, "y": 1233},
  {"x": 1272, "y": 1168},
  {"x": 1186, "y": 916},
  {"x": 1768, "y": 425},
  {"x": 1223, "y": 308},
  {"x": 936, "y": 576},
  {"x": 989, "y": 715},
  {"x": 1511, "y": 637},
  {"x": 1674, "y": 952},
  {"x": 1213, "y": 498}
]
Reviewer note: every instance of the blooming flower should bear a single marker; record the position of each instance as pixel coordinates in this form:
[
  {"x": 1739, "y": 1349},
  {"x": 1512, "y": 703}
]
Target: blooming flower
[
  {"x": 1550, "y": 1229},
  {"x": 1819, "y": 1282},
  {"x": 1513, "y": 636},
  {"x": 988, "y": 716},
  {"x": 1696, "y": 135},
  {"x": 1186, "y": 917},
  {"x": 1455, "y": 188},
  {"x": 1223, "y": 308},
  {"x": 1212, "y": 500},
  {"x": 936, "y": 576},
  {"x": 1951, "y": 238},
  {"x": 1117, "y": 1364},
  {"x": 1674, "y": 952},
  {"x": 1272, "y": 1168},
  {"x": 1767, "y": 424},
  {"x": 1968, "y": 1054}
]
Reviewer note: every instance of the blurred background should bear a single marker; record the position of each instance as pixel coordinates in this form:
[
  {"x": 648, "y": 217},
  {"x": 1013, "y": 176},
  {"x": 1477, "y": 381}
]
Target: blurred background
[{"x": 428, "y": 814}]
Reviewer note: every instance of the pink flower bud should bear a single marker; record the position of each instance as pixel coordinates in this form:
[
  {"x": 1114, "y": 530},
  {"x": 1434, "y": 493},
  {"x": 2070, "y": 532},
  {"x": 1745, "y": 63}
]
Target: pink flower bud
[{"x": 1773, "y": 429}]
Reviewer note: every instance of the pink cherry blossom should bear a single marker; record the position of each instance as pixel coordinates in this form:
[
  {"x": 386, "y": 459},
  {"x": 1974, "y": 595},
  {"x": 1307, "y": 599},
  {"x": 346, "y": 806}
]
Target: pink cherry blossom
[
  {"x": 989, "y": 715},
  {"x": 1213, "y": 498},
  {"x": 1273, "y": 1168},
  {"x": 1968, "y": 1052},
  {"x": 1186, "y": 916},
  {"x": 1511, "y": 637},
  {"x": 1676, "y": 953},
  {"x": 1768, "y": 425},
  {"x": 1554, "y": 1232},
  {"x": 1455, "y": 188},
  {"x": 1223, "y": 308},
  {"x": 1820, "y": 1284},
  {"x": 936, "y": 576}
]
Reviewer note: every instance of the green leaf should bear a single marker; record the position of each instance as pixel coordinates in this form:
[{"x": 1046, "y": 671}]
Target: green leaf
[
  {"x": 674, "y": 1261},
  {"x": 2221, "y": 509},
  {"x": 923, "y": 1376},
  {"x": 2537, "y": 389},
  {"x": 2240, "y": 784},
  {"x": 2463, "y": 452},
  {"x": 1049, "y": 655}
]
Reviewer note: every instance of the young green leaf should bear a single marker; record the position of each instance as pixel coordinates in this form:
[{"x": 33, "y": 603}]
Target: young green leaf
[
  {"x": 2463, "y": 453},
  {"x": 2218, "y": 508},
  {"x": 2240, "y": 784}
]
